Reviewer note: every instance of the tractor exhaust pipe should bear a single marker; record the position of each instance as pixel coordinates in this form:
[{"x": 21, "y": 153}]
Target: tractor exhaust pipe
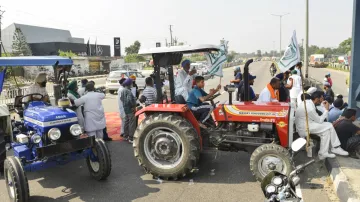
[{"x": 246, "y": 80}]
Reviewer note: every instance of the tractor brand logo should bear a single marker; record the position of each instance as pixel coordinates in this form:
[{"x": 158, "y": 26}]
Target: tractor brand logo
[
  {"x": 237, "y": 112},
  {"x": 60, "y": 117},
  {"x": 267, "y": 120},
  {"x": 281, "y": 124},
  {"x": 221, "y": 113}
]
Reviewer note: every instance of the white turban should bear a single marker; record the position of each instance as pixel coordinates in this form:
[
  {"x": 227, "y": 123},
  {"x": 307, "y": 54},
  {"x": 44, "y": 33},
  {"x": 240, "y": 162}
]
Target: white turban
[
  {"x": 311, "y": 90},
  {"x": 41, "y": 77}
]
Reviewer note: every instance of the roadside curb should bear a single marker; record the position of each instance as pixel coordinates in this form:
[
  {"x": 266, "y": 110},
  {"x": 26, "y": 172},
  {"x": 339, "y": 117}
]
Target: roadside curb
[{"x": 340, "y": 182}]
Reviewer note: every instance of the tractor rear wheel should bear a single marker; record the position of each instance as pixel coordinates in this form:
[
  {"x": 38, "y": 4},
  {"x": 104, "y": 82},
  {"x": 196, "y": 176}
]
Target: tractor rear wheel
[
  {"x": 270, "y": 157},
  {"x": 166, "y": 145}
]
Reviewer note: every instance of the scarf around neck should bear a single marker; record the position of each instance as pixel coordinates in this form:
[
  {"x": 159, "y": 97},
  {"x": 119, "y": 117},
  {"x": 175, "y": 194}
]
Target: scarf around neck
[{"x": 274, "y": 93}]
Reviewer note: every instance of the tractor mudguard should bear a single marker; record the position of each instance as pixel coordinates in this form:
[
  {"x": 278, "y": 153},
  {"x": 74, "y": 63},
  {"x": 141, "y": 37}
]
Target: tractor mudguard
[{"x": 182, "y": 109}]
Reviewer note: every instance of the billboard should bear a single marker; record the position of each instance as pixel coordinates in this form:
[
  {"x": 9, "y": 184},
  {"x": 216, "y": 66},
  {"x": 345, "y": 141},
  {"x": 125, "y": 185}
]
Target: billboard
[{"x": 117, "y": 47}]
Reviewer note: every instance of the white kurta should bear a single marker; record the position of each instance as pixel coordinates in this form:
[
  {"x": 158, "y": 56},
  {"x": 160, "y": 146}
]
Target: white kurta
[
  {"x": 78, "y": 111},
  {"x": 296, "y": 88},
  {"x": 183, "y": 84},
  {"x": 81, "y": 91},
  {"x": 317, "y": 126},
  {"x": 265, "y": 96},
  {"x": 93, "y": 111},
  {"x": 121, "y": 108}
]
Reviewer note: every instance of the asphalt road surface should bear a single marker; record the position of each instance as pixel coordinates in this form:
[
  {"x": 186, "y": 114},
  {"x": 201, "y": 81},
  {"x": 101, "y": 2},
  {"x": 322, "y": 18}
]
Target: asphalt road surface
[{"x": 231, "y": 179}]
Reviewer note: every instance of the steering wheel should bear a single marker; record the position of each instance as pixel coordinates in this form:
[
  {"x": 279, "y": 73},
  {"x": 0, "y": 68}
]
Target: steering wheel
[
  {"x": 36, "y": 94},
  {"x": 211, "y": 99}
]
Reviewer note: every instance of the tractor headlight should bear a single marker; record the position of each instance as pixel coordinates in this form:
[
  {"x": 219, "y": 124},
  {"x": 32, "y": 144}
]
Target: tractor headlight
[
  {"x": 54, "y": 134},
  {"x": 76, "y": 130},
  {"x": 36, "y": 139}
]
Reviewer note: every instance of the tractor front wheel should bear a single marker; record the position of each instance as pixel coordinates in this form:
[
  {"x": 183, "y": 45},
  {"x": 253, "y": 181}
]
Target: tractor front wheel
[
  {"x": 15, "y": 179},
  {"x": 167, "y": 146},
  {"x": 270, "y": 157},
  {"x": 99, "y": 161}
]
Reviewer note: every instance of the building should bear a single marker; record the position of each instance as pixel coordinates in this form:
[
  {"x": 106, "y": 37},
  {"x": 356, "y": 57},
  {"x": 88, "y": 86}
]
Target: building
[{"x": 48, "y": 41}]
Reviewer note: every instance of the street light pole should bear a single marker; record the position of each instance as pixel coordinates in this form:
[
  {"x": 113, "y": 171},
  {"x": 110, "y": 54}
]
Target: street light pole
[
  {"x": 306, "y": 65},
  {"x": 280, "y": 16}
]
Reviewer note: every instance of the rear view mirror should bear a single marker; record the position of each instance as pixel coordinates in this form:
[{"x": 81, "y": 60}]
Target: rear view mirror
[{"x": 298, "y": 144}]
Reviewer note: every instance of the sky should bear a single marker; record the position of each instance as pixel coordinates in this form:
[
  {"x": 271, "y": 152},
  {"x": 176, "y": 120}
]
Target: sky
[{"x": 247, "y": 24}]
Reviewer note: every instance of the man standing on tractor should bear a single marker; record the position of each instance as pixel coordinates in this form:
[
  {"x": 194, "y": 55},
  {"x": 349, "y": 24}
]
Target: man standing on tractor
[
  {"x": 93, "y": 111},
  {"x": 129, "y": 103},
  {"x": 318, "y": 126},
  {"x": 197, "y": 97},
  {"x": 271, "y": 92},
  {"x": 184, "y": 79},
  {"x": 39, "y": 87},
  {"x": 237, "y": 80},
  {"x": 296, "y": 86}
]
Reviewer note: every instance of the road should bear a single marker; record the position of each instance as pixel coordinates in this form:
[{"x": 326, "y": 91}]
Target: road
[{"x": 232, "y": 179}]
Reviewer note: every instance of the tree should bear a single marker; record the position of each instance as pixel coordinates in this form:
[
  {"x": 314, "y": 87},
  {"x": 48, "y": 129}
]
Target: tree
[
  {"x": 258, "y": 53},
  {"x": 345, "y": 46},
  {"x": 19, "y": 44},
  {"x": 130, "y": 58},
  {"x": 133, "y": 49},
  {"x": 66, "y": 53}
]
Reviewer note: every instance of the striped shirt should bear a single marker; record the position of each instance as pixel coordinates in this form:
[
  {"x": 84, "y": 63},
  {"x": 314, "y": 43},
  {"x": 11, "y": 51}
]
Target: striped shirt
[{"x": 150, "y": 94}]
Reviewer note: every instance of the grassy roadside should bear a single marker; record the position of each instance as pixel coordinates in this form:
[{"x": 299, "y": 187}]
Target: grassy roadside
[{"x": 337, "y": 69}]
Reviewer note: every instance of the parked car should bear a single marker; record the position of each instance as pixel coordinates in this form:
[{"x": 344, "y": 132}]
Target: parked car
[{"x": 112, "y": 81}]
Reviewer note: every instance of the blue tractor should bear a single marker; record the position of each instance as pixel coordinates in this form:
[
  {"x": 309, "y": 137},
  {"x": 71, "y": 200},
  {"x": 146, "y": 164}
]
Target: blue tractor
[{"x": 46, "y": 135}]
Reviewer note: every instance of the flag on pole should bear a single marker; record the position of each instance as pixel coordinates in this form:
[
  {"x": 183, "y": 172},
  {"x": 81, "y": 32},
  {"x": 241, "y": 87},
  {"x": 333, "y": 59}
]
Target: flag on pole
[
  {"x": 291, "y": 55},
  {"x": 96, "y": 48},
  {"x": 217, "y": 60},
  {"x": 88, "y": 48},
  {"x": 2, "y": 78}
]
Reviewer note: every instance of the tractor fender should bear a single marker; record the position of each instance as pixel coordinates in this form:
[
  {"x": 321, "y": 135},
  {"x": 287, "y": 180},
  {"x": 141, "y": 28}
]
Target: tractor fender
[{"x": 181, "y": 109}]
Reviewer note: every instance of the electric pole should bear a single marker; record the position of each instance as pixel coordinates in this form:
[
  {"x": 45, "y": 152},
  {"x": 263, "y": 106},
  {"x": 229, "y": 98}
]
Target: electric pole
[
  {"x": 1, "y": 45},
  {"x": 306, "y": 65},
  {"x": 280, "y": 16},
  {"x": 171, "y": 38}
]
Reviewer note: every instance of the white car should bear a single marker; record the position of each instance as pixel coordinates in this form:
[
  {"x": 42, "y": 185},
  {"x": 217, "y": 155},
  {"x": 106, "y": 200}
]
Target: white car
[{"x": 112, "y": 81}]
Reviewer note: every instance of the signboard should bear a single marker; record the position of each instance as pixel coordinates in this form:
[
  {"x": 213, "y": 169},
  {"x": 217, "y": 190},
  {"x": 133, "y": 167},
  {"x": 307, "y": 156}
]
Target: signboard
[
  {"x": 158, "y": 44},
  {"x": 117, "y": 47}
]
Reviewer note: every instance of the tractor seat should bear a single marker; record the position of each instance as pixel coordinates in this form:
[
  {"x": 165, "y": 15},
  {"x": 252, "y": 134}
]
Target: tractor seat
[{"x": 179, "y": 99}]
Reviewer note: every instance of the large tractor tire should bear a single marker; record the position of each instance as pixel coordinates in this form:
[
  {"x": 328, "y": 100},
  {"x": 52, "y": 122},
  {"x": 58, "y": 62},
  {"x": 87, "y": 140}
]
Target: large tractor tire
[
  {"x": 166, "y": 146},
  {"x": 270, "y": 157},
  {"x": 16, "y": 181},
  {"x": 99, "y": 162}
]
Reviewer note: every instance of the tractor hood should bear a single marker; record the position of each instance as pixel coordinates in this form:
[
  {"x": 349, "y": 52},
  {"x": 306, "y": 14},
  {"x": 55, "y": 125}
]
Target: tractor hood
[{"x": 49, "y": 116}]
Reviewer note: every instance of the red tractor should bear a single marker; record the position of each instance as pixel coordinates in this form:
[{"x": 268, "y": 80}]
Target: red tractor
[{"x": 168, "y": 142}]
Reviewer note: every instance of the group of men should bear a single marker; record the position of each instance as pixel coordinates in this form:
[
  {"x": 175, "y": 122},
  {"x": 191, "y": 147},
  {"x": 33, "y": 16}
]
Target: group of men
[{"x": 88, "y": 103}]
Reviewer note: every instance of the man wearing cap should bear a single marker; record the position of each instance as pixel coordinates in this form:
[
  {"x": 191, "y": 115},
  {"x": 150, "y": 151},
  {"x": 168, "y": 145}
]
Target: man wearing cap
[
  {"x": 335, "y": 111},
  {"x": 329, "y": 92},
  {"x": 271, "y": 92},
  {"x": 39, "y": 87},
  {"x": 328, "y": 79},
  {"x": 252, "y": 95},
  {"x": 237, "y": 80},
  {"x": 81, "y": 91},
  {"x": 129, "y": 103},
  {"x": 184, "y": 80},
  {"x": 93, "y": 111},
  {"x": 296, "y": 86}
]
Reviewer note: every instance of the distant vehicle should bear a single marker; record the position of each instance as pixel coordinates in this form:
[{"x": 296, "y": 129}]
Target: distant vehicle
[
  {"x": 112, "y": 81},
  {"x": 201, "y": 68},
  {"x": 126, "y": 67},
  {"x": 344, "y": 60},
  {"x": 317, "y": 60}
]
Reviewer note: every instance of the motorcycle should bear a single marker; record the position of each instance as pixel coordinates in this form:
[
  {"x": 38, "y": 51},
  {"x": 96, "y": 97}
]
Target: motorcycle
[{"x": 278, "y": 187}]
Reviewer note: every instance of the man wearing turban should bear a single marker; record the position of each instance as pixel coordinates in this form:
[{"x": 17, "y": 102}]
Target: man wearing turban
[
  {"x": 184, "y": 80},
  {"x": 39, "y": 87}
]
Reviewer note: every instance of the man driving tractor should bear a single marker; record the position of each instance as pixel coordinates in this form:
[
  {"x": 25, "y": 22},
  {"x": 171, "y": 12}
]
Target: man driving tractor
[
  {"x": 196, "y": 100},
  {"x": 39, "y": 87}
]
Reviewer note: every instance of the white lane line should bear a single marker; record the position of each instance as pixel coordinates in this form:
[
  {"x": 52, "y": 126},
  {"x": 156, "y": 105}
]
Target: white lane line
[{"x": 299, "y": 193}]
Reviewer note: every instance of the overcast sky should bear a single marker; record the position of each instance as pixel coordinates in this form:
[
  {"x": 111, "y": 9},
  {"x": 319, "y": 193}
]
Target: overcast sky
[{"x": 247, "y": 24}]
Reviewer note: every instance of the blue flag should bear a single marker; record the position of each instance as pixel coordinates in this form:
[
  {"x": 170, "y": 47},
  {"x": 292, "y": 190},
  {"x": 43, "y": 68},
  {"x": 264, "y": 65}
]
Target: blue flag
[{"x": 2, "y": 78}]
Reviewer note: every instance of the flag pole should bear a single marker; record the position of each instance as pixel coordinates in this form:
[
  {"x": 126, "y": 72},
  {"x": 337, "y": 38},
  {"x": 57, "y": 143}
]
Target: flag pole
[{"x": 306, "y": 113}]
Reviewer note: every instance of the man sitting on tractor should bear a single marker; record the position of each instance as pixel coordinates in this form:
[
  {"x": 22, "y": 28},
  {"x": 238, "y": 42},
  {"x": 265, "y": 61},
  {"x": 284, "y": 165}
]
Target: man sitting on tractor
[
  {"x": 39, "y": 87},
  {"x": 197, "y": 97},
  {"x": 252, "y": 95},
  {"x": 271, "y": 92},
  {"x": 184, "y": 79}
]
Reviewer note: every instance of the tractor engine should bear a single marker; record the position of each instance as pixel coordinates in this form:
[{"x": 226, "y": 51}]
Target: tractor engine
[{"x": 241, "y": 136}]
